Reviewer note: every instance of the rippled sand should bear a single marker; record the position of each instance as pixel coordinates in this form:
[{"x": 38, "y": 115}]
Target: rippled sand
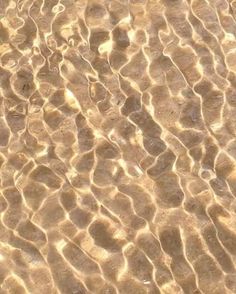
[{"x": 118, "y": 146}]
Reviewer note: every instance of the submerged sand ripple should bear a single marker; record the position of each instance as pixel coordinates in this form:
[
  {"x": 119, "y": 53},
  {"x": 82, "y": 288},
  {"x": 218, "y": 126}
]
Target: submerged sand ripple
[{"x": 117, "y": 146}]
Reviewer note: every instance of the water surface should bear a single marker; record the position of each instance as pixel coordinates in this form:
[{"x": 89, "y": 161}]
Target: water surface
[{"x": 117, "y": 146}]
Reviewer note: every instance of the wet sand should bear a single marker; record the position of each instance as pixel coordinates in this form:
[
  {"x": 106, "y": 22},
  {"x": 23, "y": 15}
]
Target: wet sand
[{"x": 118, "y": 146}]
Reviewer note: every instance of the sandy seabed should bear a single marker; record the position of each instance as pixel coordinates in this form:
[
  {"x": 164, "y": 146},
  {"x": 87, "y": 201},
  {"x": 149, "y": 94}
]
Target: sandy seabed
[{"x": 117, "y": 146}]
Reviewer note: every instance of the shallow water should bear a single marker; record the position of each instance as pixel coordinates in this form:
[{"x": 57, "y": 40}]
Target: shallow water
[{"x": 118, "y": 146}]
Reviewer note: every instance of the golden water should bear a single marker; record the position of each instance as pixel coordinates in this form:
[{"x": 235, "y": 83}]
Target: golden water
[{"x": 118, "y": 146}]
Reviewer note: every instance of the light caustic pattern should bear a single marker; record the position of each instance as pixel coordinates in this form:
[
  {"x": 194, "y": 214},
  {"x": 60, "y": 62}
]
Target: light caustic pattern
[{"x": 117, "y": 146}]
